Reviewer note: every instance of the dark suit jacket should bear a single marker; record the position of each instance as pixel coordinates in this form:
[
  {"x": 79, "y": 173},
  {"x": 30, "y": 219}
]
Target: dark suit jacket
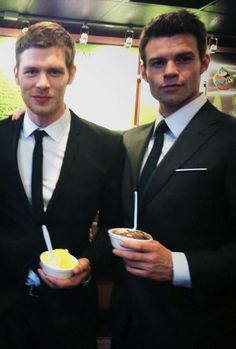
[
  {"x": 190, "y": 211},
  {"x": 89, "y": 181}
]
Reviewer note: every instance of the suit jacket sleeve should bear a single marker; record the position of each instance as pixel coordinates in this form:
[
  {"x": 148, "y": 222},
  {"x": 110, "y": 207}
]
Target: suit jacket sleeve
[
  {"x": 215, "y": 269},
  {"x": 110, "y": 211}
]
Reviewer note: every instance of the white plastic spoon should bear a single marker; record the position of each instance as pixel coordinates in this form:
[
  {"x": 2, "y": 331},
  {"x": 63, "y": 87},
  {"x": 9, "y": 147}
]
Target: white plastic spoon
[
  {"x": 135, "y": 209},
  {"x": 48, "y": 243}
]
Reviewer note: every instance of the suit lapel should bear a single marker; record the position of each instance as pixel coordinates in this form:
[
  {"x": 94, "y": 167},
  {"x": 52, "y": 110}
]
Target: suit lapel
[
  {"x": 17, "y": 186},
  {"x": 202, "y": 126},
  {"x": 135, "y": 144},
  {"x": 71, "y": 148},
  {"x": 136, "y": 147}
]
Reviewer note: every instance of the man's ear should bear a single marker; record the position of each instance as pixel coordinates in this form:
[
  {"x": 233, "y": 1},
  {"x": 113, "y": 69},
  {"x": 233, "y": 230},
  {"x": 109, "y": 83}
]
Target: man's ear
[
  {"x": 143, "y": 71},
  {"x": 16, "y": 75},
  {"x": 205, "y": 63},
  {"x": 72, "y": 73}
]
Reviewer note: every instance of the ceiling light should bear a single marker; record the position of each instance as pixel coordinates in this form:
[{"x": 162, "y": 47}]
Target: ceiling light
[
  {"x": 25, "y": 25},
  {"x": 129, "y": 35},
  {"x": 10, "y": 16},
  {"x": 213, "y": 44},
  {"x": 84, "y": 32}
]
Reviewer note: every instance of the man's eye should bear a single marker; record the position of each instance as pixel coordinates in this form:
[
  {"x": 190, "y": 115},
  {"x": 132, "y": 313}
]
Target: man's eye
[
  {"x": 30, "y": 72},
  {"x": 55, "y": 72},
  {"x": 157, "y": 63},
  {"x": 184, "y": 59}
]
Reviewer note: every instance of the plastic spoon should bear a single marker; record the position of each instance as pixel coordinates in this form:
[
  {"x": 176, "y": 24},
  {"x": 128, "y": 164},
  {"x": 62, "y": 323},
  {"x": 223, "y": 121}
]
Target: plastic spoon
[
  {"x": 135, "y": 209},
  {"x": 48, "y": 243}
]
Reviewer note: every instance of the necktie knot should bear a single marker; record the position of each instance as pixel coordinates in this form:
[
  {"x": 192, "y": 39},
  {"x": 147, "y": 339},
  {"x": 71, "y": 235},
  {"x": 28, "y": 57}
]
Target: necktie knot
[
  {"x": 161, "y": 128},
  {"x": 154, "y": 155},
  {"x": 38, "y": 135}
]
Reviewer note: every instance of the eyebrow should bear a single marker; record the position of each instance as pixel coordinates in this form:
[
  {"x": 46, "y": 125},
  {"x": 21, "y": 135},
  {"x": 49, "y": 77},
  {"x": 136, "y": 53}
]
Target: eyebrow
[
  {"x": 47, "y": 68},
  {"x": 185, "y": 53},
  {"x": 29, "y": 67}
]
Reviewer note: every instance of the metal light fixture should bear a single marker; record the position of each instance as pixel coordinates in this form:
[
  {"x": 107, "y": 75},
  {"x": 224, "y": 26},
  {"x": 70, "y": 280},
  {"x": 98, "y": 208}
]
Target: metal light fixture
[
  {"x": 213, "y": 44},
  {"x": 25, "y": 25},
  {"x": 84, "y": 32},
  {"x": 129, "y": 35}
]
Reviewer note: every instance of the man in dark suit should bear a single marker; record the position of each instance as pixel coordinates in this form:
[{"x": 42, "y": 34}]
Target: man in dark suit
[
  {"x": 178, "y": 291},
  {"x": 81, "y": 170}
]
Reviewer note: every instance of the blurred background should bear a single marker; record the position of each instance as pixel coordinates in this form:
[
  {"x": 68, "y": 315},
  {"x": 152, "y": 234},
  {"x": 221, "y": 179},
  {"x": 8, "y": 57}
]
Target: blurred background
[{"x": 108, "y": 89}]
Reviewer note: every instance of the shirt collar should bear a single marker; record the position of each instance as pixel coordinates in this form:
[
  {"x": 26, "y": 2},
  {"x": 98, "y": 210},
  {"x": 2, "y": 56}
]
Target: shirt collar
[
  {"x": 181, "y": 118},
  {"x": 56, "y": 130}
]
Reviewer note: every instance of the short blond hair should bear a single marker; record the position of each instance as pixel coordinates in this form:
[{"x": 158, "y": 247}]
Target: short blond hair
[{"x": 44, "y": 35}]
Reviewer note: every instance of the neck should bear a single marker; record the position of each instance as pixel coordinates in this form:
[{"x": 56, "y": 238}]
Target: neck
[
  {"x": 166, "y": 110},
  {"x": 44, "y": 120}
]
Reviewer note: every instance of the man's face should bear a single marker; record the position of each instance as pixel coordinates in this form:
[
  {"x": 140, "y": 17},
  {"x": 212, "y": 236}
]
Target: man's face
[
  {"x": 173, "y": 70},
  {"x": 43, "y": 76}
]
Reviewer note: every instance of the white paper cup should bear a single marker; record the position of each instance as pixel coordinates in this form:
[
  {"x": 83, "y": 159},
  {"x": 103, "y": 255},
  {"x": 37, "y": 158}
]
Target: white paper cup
[
  {"x": 53, "y": 269},
  {"x": 125, "y": 234}
]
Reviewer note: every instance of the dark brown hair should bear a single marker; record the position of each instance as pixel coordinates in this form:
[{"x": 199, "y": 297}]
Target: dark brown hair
[{"x": 173, "y": 23}]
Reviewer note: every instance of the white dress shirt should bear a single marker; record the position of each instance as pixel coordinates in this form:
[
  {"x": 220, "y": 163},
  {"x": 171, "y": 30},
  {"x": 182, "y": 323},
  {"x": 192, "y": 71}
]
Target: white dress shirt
[
  {"x": 176, "y": 123},
  {"x": 54, "y": 145}
]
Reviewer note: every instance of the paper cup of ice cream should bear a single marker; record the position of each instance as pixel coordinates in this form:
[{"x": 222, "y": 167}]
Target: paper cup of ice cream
[
  {"x": 121, "y": 234},
  {"x": 61, "y": 266}
]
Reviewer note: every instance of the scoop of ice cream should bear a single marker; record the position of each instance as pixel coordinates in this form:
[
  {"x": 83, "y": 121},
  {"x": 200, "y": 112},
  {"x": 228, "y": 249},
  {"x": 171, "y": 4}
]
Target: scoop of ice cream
[
  {"x": 62, "y": 258},
  {"x": 131, "y": 233},
  {"x": 126, "y": 234}
]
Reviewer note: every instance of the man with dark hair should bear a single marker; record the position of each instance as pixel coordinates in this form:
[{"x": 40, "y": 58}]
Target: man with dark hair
[
  {"x": 81, "y": 170},
  {"x": 178, "y": 291}
]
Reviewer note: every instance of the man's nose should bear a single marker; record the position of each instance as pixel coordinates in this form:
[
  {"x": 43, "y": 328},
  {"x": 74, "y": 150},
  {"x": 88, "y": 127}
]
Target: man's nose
[
  {"x": 43, "y": 81},
  {"x": 171, "y": 68}
]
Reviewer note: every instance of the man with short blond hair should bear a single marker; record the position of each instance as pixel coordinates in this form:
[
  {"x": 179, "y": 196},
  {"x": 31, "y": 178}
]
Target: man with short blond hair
[{"x": 81, "y": 166}]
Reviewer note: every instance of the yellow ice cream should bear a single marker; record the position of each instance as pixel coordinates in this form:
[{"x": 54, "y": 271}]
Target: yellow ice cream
[{"x": 63, "y": 259}]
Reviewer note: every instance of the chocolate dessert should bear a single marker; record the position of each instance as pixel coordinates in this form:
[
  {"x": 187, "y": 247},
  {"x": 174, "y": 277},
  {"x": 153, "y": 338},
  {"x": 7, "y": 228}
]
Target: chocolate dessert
[{"x": 135, "y": 234}]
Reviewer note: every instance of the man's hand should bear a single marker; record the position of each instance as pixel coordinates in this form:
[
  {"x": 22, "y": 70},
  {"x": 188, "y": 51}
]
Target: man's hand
[
  {"x": 16, "y": 114},
  {"x": 149, "y": 260},
  {"x": 80, "y": 274}
]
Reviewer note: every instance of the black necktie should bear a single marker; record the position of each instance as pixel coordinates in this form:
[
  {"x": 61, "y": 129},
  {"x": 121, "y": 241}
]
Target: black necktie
[
  {"x": 37, "y": 173},
  {"x": 154, "y": 155}
]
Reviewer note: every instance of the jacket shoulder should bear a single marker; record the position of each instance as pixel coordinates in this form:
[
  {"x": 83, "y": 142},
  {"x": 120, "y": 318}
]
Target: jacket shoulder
[
  {"x": 136, "y": 130},
  {"x": 95, "y": 129},
  {"x": 8, "y": 124},
  {"x": 5, "y": 121}
]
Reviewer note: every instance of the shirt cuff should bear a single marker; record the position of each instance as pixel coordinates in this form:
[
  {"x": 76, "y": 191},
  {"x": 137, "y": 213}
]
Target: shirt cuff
[
  {"x": 181, "y": 273},
  {"x": 86, "y": 282}
]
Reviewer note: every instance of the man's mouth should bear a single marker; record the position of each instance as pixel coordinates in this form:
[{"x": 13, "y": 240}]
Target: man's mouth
[
  {"x": 171, "y": 87},
  {"x": 41, "y": 99}
]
